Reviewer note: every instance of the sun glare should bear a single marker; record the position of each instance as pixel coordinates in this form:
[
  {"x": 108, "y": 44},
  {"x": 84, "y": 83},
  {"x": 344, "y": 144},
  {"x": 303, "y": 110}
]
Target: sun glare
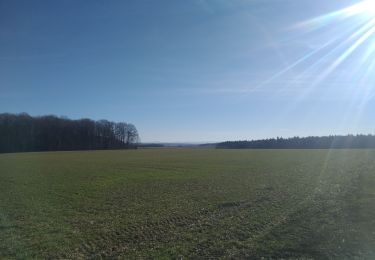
[
  {"x": 366, "y": 7},
  {"x": 343, "y": 51},
  {"x": 363, "y": 14},
  {"x": 353, "y": 36}
]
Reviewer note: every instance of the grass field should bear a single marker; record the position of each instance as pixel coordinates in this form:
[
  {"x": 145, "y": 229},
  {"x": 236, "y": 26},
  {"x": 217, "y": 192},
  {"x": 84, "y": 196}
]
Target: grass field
[{"x": 163, "y": 203}]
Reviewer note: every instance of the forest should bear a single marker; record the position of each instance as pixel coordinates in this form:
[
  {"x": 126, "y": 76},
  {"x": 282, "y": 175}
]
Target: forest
[
  {"x": 25, "y": 133},
  {"x": 311, "y": 142}
]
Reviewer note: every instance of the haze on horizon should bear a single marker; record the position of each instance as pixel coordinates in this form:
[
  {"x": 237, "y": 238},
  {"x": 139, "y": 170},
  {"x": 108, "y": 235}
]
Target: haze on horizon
[{"x": 193, "y": 71}]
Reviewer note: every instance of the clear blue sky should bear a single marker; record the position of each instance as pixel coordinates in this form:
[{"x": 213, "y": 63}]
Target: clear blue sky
[{"x": 194, "y": 70}]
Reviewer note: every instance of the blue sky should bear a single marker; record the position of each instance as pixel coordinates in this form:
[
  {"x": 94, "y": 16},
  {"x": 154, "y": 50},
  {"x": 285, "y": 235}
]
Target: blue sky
[{"x": 191, "y": 71}]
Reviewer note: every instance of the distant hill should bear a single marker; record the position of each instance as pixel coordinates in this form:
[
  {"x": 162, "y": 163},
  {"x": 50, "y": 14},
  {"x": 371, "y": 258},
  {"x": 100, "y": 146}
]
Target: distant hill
[
  {"x": 150, "y": 145},
  {"x": 208, "y": 145},
  {"x": 177, "y": 145},
  {"x": 311, "y": 142}
]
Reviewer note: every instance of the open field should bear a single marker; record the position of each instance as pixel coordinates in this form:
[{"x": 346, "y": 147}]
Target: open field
[{"x": 188, "y": 203}]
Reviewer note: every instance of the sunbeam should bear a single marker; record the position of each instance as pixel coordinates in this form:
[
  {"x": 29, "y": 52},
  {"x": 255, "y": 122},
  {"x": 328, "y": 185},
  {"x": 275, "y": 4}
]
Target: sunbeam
[
  {"x": 343, "y": 60},
  {"x": 351, "y": 48},
  {"x": 350, "y": 42}
]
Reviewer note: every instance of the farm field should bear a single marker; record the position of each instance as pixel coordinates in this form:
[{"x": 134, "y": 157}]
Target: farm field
[{"x": 188, "y": 203}]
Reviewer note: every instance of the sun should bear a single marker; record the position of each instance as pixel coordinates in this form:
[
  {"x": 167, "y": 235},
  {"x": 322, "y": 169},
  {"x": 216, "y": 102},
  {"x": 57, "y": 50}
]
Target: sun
[
  {"x": 345, "y": 46},
  {"x": 366, "y": 7}
]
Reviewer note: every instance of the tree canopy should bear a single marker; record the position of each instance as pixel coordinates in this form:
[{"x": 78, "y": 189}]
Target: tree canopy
[{"x": 24, "y": 133}]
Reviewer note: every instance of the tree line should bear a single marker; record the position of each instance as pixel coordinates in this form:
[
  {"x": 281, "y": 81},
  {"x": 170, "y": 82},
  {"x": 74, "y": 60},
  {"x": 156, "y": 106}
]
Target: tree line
[
  {"x": 312, "y": 142},
  {"x": 24, "y": 133}
]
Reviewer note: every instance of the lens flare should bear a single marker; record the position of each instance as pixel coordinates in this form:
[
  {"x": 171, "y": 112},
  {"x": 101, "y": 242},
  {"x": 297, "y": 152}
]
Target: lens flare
[
  {"x": 350, "y": 41},
  {"x": 358, "y": 45},
  {"x": 341, "y": 62},
  {"x": 344, "y": 43},
  {"x": 369, "y": 7}
]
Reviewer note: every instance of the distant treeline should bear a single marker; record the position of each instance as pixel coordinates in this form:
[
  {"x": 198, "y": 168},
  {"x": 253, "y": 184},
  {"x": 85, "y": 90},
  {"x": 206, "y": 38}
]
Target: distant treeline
[
  {"x": 312, "y": 142},
  {"x": 24, "y": 133}
]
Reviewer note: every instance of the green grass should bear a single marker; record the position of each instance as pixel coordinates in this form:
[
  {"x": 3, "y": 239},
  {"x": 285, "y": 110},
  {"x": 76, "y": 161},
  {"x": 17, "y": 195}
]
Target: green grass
[{"x": 172, "y": 203}]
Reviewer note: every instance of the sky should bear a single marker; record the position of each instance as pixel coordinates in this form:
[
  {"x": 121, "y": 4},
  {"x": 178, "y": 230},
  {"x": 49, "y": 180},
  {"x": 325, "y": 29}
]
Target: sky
[{"x": 195, "y": 70}]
